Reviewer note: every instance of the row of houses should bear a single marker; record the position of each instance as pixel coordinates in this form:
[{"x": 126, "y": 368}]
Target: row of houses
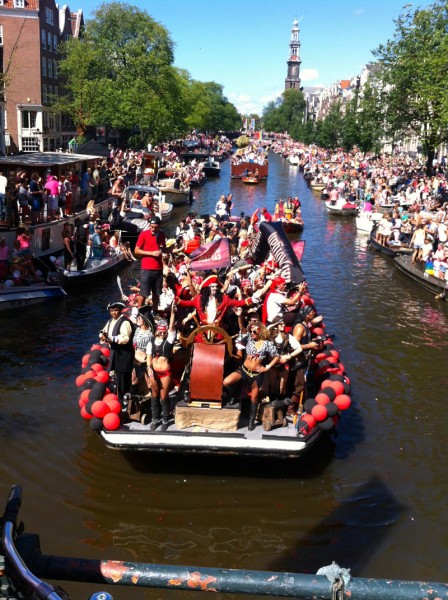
[{"x": 31, "y": 32}]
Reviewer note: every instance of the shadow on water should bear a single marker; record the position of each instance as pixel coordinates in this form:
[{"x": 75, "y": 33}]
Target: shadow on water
[
  {"x": 350, "y": 535},
  {"x": 308, "y": 466}
]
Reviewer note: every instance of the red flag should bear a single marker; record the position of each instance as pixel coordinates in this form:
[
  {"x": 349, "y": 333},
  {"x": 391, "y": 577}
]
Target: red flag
[
  {"x": 299, "y": 248},
  {"x": 214, "y": 255}
]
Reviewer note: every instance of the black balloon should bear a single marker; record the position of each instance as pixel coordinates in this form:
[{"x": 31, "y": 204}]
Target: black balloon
[
  {"x": 89, "y": 383},
  {"x": 309, "y": 404},
  {"x": 88, "y": 405},
  {"x": 327, "y": 424},
  {"x": 328, "y": 391},
  {"x": 97, "y": 391},
  {"x": 96, "y": 424},
  {"x": 332, "y": 409}
]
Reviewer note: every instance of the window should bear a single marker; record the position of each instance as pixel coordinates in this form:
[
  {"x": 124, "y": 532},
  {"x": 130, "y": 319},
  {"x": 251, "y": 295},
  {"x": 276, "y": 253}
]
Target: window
[
  {"x": 50, "y": 92},
  {"x": 50, "y": 67},
  {"x": 44, "y": 93},
  {"x": 19, "y": 3},
  {"x": 30, "y": 144},
  {"x": 44, "y": 39},
  {"x": 55, "y": 69},
  {"x": 49, "y": 41},
  {"x": 49, "y": 16},
  {"x": 29, "y": 119},
  {"x": 55, "y": 43},
  {"x": 44, "y": 66},
  {"x": 56, "y": 90}
]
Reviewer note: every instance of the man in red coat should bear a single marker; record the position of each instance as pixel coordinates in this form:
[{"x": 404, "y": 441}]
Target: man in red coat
[{"x": 211, "y": 304}]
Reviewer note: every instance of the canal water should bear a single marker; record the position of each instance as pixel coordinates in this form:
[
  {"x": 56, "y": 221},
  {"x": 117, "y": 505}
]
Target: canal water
[{"x": 372, "y": 498}]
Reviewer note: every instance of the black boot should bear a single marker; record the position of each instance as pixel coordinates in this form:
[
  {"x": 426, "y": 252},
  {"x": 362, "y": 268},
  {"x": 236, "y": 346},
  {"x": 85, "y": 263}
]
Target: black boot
[
  {"x": 253, "y": 413},
  {"x": 165, "y": 414},
  {"x": 155, "y": 412}
]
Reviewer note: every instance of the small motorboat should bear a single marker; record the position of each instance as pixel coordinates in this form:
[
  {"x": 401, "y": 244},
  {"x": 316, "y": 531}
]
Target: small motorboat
[
  {"x": 174, "y": 192},
  {"x": 420, "y": 275},
  {"x": 251, "y": 179},
  {"x": 342, "y": 208},
  {"x": 292, "y": 225},
  {"x": 392, "y": 248},
  {"x": 212, "y": 168},
  {"x": 365, "y": 221}
]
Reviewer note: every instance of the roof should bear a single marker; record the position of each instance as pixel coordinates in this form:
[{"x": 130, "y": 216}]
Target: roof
[
  {"x": 29, "y": 5},
  {"x": 45, "y": 159},
  {"x": 345, "y": 83}
]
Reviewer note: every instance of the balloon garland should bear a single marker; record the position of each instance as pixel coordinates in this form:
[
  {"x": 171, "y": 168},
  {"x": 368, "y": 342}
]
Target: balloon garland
[
  {"x": 333, "y": 396},
  {"x": 97, "y": 403}
]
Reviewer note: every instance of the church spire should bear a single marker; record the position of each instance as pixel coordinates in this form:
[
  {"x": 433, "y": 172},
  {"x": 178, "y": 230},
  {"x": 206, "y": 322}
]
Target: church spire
[{"x": 292, "y": 81}]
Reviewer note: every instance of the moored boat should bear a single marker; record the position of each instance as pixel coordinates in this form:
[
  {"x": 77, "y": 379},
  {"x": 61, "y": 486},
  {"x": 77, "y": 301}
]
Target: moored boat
[
  {"x": 212, "y": 168},
  {"x": 18, "y": 297},
  {"x": 97, "y": 263},
  {"x": 417, "y": 272},
  {"x": 392, "y": 248},
  {"x": 292, "y": 225},
  {"x": 317, "y": 186}
]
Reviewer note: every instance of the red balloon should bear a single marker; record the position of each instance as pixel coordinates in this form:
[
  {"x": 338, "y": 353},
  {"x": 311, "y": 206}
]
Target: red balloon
[
  {"x": 342, "y": 368},
  {"x": 335, "y": 353},
  {"x": 318, "y": 331},
  {"x": 85, "y": 414},
  {"x": 307, "y": 300},
  {"x": 319, "y": 412},
  {"x": 102, "y": 377},
  {"x": 342, "y": 401},
  {"x": 97, "y": 367},
  {"x": 85, "y": 360},
  {"x": 338, "y": 387},
  {"x": 84, "y": 397},
  {"x": 80, "y": 380},
  {"x": 320, "y": 356},
  {"x": 95, "y": 347},
  {"x": 308, "y": 419},
  {"x": 322, "y": 398},
  {"x": 89, "y": 375},
  {"x": 332, "y": 359},
  {"x": 105, "y": 351},
  {"x": 100, "y": 409},
  {"x": 111, "y": 421},
  {"x": 114, "y": 406},
  {"x": 110, "y": 397}
]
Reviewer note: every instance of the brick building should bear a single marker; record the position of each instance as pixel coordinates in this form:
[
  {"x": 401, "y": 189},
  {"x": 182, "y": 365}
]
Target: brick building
[{"x": 30, "y": 34}]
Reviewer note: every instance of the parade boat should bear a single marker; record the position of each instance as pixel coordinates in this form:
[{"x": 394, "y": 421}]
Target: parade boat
[
  {"x": 342, "y": 208},
  {"x": 205, "y": 421},
  {"x": 243, "y": 169},
  {"x": 18, "y": 297},
  {"x": 392, "y": 248},
  {"x": 46, "y": 237},
  {"x": 317, "y": 186},
  {"x": 422, "y": 276}
]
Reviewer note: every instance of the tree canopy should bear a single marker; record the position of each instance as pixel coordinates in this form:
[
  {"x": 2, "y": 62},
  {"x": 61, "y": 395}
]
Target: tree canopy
[
  {"x": 413, "y": 66},
  {"x": 120, "y": 73},
  {"x": 285, "y": 114}
]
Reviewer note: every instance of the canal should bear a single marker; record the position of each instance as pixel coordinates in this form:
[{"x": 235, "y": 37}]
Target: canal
[{"x": 372, "y": 498}]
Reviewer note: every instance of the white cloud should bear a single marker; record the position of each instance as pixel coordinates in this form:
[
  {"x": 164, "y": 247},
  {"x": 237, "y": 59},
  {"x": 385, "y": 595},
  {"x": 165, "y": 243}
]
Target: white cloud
[{"x": 309, "y": 74}]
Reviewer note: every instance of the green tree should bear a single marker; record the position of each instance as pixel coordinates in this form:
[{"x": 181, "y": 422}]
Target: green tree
[
  {"x": 329, "y": 134},
  {"x": 414, "y": 65},
  {"x": 285, "y": 114}
]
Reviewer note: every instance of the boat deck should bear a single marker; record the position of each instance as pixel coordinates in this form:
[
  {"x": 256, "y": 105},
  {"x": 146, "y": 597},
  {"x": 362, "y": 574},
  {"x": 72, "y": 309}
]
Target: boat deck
[{"x": 279, "y": 441}]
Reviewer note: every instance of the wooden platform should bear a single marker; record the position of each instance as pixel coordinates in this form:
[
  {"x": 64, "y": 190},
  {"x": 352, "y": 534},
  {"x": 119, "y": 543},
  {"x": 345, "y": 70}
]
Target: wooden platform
[{"x": 209, "y": 418}]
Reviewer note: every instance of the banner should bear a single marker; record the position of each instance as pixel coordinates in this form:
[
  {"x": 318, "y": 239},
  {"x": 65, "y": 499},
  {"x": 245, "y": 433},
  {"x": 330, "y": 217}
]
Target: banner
[
  {"x": 252, "y": 124},
  {"x": 271, "y": 238},
  {"x": 214, "y": 255},
  {"x": 299, "y": 248}
]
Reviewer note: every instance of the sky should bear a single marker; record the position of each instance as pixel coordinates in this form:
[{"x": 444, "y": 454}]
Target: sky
[{"x": 244, "y": 44}]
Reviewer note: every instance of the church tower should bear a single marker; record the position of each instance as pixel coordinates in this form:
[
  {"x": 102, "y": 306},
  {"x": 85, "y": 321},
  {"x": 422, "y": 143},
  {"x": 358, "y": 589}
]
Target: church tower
[{"x": 292, "y": 81}]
